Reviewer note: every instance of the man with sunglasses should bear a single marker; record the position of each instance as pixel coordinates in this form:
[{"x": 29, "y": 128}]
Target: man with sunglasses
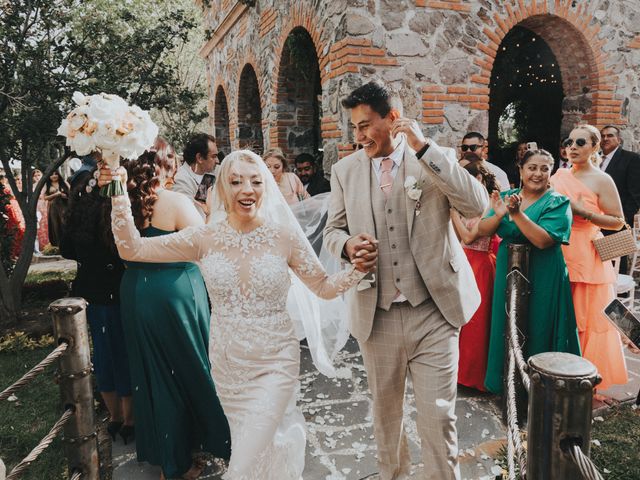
[{"x": 475, "y": 142}]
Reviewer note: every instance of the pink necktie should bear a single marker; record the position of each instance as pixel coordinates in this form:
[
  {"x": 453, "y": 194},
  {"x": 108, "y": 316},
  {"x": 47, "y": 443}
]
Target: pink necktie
[{"x": 386, "y": 180}]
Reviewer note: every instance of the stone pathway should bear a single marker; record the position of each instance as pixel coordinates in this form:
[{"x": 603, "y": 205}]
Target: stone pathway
[{"x": 340, "y": 443}]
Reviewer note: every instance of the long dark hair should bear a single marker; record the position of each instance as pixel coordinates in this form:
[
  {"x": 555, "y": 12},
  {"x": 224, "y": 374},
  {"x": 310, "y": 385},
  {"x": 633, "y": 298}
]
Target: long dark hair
[
  {"x": 476, "y": 168},
  {"x": 62, "y": 185},
  {"x": 144, "y": 178},
  {"x": 88, "y": 215}
]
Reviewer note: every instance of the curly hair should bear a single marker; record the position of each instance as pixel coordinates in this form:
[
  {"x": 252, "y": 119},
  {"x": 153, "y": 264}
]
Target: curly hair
[
  {"x": 88, "y": 215},
  {"x": 476, "y": 168},
  {"x": 144, "y": 175}
]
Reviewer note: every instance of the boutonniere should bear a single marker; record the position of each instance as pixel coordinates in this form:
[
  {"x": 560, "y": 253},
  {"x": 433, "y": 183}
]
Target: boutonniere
[{"x": 414, "y": 191}]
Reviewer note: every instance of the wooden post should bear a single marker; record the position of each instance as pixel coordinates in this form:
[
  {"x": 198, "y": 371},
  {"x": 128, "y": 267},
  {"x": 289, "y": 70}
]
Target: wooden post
[
  {"x": 70, "y": 325},
  {"x": 560, "y": 401}
]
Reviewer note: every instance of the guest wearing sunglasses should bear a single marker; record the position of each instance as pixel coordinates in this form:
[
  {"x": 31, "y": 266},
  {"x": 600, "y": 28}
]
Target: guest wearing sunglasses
[
  {"x": 476, "y": 143},
  {"x": 595, "y": 204}
]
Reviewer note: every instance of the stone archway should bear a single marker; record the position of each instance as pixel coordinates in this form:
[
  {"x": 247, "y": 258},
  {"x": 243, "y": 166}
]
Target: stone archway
[
  {"x": 221, "y": 121},
  {"x": 298, "y": 96},
  {"x": 526, "y": 99},
  {"x": 543, "y": 67},
  {"x": 249, "y": 129}
]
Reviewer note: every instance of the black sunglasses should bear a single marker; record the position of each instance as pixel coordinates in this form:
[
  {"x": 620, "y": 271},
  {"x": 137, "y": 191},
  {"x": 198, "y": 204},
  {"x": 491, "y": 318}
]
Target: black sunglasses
[
  {"x": 473, "y": 148},
  {"x": 580, "y": 142}
]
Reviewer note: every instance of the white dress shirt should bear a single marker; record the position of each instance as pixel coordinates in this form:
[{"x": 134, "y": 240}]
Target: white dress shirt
[
  {"x": 607, "y": 159},
  {"x": 397, "y": 155}
]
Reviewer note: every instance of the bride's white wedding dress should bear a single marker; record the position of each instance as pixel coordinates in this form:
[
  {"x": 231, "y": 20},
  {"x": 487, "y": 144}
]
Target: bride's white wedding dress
[{"x": 254, "y": 352}]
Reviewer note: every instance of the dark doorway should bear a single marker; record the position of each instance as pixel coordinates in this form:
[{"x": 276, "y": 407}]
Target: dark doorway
[
  {"x": 526, "y": 96},
  {"x": 249, "y": 112},
  {"x": 221, "y": 121},
  {"x": 298, "y": 96}
]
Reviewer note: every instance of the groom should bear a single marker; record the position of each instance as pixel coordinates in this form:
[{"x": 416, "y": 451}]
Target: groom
[{"x": 399, "y": 189}]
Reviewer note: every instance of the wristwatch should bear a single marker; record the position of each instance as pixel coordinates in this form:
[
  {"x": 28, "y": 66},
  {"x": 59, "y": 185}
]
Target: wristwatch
[{"x": 423, "y": 150}]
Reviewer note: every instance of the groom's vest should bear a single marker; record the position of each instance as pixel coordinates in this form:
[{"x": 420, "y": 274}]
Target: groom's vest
[{"x": 397, "y": 268}]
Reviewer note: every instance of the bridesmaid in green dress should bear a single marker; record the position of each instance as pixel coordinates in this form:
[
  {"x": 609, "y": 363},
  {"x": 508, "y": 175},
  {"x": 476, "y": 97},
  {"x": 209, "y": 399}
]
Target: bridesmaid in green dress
[
  {"x": 537, "y": 215},
  {"x": 166, "y": 320}
]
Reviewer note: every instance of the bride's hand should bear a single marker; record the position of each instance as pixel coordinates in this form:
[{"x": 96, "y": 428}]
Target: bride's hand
[{"x": 107, "y": 175}]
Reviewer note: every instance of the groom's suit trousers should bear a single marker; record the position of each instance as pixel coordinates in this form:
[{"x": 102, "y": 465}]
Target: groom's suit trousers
[{"x": 419, "y": 342}]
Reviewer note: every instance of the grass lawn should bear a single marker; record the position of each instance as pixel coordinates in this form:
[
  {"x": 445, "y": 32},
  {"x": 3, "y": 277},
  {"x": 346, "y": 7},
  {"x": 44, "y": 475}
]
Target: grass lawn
[
  {"x": 619, "y": 450},
  {"x": 24, "y": 422}
]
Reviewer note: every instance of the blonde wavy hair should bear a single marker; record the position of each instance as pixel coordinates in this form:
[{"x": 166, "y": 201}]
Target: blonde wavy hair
[{"x": 595, "y": 136}]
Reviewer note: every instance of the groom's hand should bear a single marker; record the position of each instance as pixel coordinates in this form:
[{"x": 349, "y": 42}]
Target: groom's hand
[
  {"x": 362, "y": 250},
  {"x": 415, "y": 137}
]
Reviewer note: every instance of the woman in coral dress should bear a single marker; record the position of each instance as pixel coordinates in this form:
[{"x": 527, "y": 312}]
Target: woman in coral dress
[
  {"x": 595, "y": 204},
  {"x": 474, "y": 336}
]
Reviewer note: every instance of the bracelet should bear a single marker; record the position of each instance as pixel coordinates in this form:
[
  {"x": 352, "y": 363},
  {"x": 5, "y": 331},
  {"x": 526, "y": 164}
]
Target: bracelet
[{"x": 589, "y": 216}]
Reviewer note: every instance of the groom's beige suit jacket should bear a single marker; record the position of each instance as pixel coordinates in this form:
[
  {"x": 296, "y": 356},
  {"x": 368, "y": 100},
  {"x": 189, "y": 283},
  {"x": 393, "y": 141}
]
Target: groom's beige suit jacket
[{"x": 434, "y": 247}]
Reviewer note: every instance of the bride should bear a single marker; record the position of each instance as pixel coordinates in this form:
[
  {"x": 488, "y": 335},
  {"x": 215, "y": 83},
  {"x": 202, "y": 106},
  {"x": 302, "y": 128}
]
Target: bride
[{"x": 245, "y": 253}]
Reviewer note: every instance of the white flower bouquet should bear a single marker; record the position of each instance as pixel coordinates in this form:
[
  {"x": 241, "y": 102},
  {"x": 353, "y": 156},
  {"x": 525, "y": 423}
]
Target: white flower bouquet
[{"x": 105, "y": 123}]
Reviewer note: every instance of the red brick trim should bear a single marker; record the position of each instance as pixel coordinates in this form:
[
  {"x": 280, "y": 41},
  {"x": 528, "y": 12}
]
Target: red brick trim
[
  {"x": 455, "y": 5},
  {"x": 552, "y": 21}
]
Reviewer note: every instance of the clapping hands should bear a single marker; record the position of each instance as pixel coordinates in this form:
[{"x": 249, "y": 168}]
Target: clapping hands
[{"x": 510, "y": 204}]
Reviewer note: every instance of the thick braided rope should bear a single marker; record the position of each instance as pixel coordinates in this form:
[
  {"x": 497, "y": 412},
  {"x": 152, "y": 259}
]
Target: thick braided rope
[
  {"x": 584, "y": 463},
  {"x": 513, "y": 430},
  {"x": 513, "y": 336},
  {"x": 42, "y": 446},
  {"x": 34, "y": 372},
  {"x": 76, "y": 476}
]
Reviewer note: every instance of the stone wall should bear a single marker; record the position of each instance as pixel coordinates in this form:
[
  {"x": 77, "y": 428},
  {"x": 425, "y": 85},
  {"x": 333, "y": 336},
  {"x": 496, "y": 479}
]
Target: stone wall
[{"x": 437, "y": 55}]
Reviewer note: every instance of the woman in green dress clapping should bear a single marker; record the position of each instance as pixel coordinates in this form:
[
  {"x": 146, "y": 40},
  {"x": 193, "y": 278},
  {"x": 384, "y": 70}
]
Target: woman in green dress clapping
[{"x": 537, "y": 215}]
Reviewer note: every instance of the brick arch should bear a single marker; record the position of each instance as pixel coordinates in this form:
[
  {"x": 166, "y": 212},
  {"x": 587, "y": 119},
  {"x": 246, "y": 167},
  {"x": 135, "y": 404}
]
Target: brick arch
[
  {"x": 303, "y": 16},
  {"x": 296, "y": 96},
  {"x": 563, "y": 27},
  {"x": 250, "y": 103},
  {"x": 221, "y": 120}
]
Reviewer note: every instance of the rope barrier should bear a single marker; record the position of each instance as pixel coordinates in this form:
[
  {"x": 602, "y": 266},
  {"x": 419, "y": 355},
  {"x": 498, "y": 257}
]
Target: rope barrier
[
  {"x": 42, "y": 446},
  {"x": 34, "y": 372},
  {"x": 513, "y": 430},
  {"x": 584, "y": 463},
  {"x": 76, "y": 476},
  {"x": 514, "y": 343}
]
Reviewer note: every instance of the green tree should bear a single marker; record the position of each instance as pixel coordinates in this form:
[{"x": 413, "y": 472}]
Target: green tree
[{"x": 48, "y": 50}]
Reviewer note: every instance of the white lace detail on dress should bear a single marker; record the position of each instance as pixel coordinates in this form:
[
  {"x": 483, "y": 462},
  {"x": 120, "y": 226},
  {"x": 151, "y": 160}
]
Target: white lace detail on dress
[{"x": 254, "y": 353}]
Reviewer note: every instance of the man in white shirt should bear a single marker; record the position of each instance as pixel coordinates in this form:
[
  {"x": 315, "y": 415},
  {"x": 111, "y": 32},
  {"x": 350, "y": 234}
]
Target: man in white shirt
[
  {"x": 200, "y": 157},
  {"x": 476, "y": 143}
]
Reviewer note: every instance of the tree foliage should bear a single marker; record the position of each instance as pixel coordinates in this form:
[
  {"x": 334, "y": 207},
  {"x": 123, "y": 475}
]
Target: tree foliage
[{"x": 49, "y": 49}]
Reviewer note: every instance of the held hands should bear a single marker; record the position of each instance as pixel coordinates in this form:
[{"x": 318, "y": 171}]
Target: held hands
[
  {"x": 107, "y": 175},
  {"x": 415, "y": 137},
  {"x": 362, "y": 250}
]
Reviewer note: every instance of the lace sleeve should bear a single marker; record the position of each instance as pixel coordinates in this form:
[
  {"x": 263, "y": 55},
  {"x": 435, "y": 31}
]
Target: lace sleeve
[
  {"x": 182, "y": 246},
  {"x": 305, "y": 264}
]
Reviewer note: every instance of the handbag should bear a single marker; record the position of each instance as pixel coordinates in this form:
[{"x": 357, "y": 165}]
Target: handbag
[{"x": 618, "y": 244}]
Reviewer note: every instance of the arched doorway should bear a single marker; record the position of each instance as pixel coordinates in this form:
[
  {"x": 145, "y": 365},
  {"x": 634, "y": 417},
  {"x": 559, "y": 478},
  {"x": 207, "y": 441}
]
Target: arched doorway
[
  {"x": 541, "y": 86},
  {"x": 221, "y": 121},
  {"x": 526, "y": 95},
  {"x": 249, "y": 133},
  {"x": 298, "y": 97}
]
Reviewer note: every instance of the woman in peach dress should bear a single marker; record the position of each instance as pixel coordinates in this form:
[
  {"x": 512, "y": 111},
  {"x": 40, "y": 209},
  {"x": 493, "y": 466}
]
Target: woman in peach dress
[{"x": 595, "y": 204}]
